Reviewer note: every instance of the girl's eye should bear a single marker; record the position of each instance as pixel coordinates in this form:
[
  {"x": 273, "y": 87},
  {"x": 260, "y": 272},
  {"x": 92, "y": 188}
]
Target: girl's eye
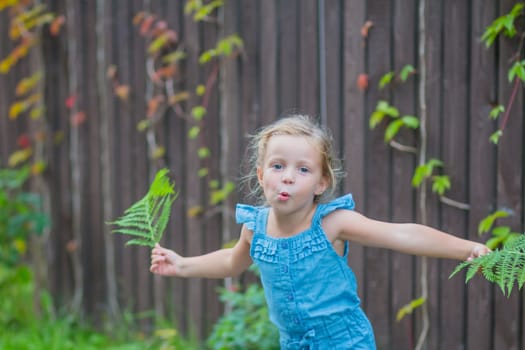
[
  {"x": 303, "y": 170},
  {"x": 277, "y": 166}
]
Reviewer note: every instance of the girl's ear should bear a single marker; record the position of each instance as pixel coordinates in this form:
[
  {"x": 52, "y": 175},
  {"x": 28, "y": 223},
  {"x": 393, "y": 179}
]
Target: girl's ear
[
  {"x": 322, "y": 186},
  {"x": 259, "y": 175}
]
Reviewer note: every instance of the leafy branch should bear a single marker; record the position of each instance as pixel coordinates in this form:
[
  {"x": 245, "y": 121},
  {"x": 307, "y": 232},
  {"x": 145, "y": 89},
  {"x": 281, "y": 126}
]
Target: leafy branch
[
  {"x": 505, "y": 25},
  {"x": 147, "y": 219},
  {"x": 505, "y": 267}
]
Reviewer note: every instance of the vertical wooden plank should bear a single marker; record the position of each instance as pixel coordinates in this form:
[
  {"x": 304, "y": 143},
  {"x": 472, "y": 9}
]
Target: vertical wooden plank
[
  {"x": 288, "y": 76},
  {"x": 509, "y": 185},
  {"x": 483, "y": 88},
  {"x": 268, "y": 61},
  {"x": 455, "y": 150},
  {"x": 4, "y": 102},
  {"x": 94, "y": 229},
  {"x": 143, "y": 164},
  {"x": 211, "y": 138},
  {"x": 334, "y": 68},
  {"x": 175, "y": 296},
  {"x": 194, "y": 192},
  {"x": 124, "y": 128},
  {"x": 354, "y": 123},
  {"x": 250, "y": 73},
  {"x": 378, "y": 172},
  {"x": 402, "y": 271},
  {"x": 59, "y": 184},
  {"x": 308, "y": 58}
]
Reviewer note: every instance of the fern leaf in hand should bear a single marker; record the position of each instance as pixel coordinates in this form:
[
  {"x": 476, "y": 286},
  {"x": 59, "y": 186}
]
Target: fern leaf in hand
[
  {"x": 147, "y": 219},
  {"x": 505, "y": 267}
]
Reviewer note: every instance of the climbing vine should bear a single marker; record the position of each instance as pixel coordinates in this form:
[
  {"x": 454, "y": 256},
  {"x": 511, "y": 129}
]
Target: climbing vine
[{"x": 165, "y": 55}]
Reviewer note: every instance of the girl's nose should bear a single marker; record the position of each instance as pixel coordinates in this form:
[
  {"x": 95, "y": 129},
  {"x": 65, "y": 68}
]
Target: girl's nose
[{"x": 288, "y": 176}]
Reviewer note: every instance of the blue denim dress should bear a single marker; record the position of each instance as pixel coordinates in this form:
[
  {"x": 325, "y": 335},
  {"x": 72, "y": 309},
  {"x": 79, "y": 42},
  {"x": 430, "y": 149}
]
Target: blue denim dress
[{"x": 310, "y": 290}]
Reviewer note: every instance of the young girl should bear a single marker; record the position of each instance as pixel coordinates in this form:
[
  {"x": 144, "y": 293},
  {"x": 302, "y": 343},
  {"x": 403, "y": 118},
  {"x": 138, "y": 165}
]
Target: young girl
[{"x": 299, "y": 240}]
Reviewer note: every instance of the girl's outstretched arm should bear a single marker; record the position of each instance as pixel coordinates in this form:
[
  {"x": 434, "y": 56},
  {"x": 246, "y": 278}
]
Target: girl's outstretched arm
[
  {"x": 410, "y": 238},
  {"x": 221, "y": 263}
]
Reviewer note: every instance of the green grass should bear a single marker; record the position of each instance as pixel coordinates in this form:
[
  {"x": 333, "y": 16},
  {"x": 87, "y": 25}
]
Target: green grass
[{"x": 22, "y": 329}]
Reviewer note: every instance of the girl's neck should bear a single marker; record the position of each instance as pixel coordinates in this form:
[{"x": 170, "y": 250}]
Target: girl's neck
[{"x": 286, "y": 225}]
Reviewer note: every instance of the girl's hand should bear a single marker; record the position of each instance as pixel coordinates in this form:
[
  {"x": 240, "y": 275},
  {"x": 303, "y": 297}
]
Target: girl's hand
[
  {"x": 165, "y": 262},
  {"x": 478, "y": 250}
]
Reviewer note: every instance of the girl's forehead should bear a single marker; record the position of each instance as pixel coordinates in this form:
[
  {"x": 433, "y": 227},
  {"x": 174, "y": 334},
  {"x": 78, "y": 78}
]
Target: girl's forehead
[{"x": 304, "y": 146}]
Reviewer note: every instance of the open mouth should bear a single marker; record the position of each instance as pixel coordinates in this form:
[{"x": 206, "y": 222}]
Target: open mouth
[{"x": 284, "y": 196}]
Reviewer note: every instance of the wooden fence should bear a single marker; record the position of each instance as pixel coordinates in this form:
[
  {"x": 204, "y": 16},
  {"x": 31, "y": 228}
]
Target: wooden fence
[{"x": 298, "y": 55}]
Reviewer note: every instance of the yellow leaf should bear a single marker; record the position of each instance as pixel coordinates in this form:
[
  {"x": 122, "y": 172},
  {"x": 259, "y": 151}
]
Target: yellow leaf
[
  {"x": 17, "y": 108},
  {"x": 143, "y": 125},
  {"x": 6, "y": 63},
  {"x": 158, "y": 152},
  {"x": 181, "y": 96},
  {"x": 7, "y": 3},
  {"x": 37, "y": 112},
  {"x": 38, "y": 168},
  {"x": 194, "y": 211},
  {"x": 20, "y": 246},
  {"x": 28, "y": 83},
  {"x": 122, "y": 91},
  {"x": 58, "y": 137},
  {"x": 167, "y": 333},
  {"x": 19, "y": 156}
]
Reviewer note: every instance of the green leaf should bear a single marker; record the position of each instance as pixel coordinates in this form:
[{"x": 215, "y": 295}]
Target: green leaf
[
  {"x": 375, "y": 119},
  {"x": 194, "y": 132},
  {"x": 386, "y": 79},
  {"x": 203, "y": 172},
  {"x": 496, "y": 111},
  {"x": 501, "y": 231},
  {"x": 486, "y": 224},
  {"x": 203, "y": 152},
  {"x": 220, "y": 195},
  {"x": 392, "y": 129},
  {"x": 198, "y": 112},
  {"x": 440, "y": 184},
  {"x": 386, "y": 108},
  {"x": 517, "y": 69},
  {"x": 407, "y": 71},
  {"x": 410, "y": 121},
  {"x": 419, "y": 175},
  {"x": 174, "y": 57},
  {"x": 494, "y": 138},
  {"x": 147, "y": 218},
  {"x": 409, "y": 308}
]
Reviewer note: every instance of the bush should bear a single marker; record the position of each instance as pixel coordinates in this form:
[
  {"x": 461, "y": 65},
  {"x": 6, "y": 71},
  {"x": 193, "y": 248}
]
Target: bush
[
  {"x": 247, "y": 326},
  {"x": 20, "y": 215}
]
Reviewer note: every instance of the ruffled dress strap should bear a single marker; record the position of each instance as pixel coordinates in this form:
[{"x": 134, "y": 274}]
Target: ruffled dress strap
[
  {"x": 343, "y": 202},
  {"x": 247, "y": 215}
]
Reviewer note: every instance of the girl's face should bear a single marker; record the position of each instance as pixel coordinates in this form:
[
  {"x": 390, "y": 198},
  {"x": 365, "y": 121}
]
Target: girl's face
[{"x": 291, "y": 173}]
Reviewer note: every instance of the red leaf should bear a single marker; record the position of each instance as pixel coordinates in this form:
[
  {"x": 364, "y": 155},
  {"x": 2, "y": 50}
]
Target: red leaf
[
  {"x": 56, "y": 25},
  {"x": 70, "y": 101},
  {"x": 23, "y": 141},
  {"x": 366, "y": 28},
  {"x": 146, "y": 24},
  {"x": 362, "y": 81},
  {"x": 78, "y": 118}
]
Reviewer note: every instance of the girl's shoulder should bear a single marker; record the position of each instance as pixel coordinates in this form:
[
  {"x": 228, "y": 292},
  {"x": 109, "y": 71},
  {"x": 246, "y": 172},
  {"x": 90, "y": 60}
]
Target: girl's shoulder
[
  {"x": 343, "y": 202},
  {"x": 247, "y": 214}
]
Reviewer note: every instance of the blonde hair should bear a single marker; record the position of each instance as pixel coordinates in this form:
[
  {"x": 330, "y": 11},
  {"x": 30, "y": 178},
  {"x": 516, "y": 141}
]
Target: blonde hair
[{"x": 293, "y": 125}]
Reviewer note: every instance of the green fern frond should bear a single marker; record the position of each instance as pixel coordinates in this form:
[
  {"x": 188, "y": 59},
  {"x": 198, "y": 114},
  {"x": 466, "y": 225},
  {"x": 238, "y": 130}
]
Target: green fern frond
[
  {"x": 148, "y": 218},
  {"x": 505, "y": 267}
]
